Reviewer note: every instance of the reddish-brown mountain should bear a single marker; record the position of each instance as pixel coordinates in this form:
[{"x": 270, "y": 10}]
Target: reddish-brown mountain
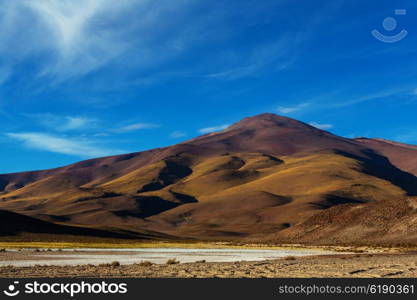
[{"x": 264, "y": 178}]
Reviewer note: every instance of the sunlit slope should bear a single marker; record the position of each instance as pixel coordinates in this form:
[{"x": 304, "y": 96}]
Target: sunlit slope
[
  {"x": 387, "y": 222},
  {"x": 236, "y": 193},
  {"x": 261, "y": 178},
  {"x": 282, "y": 194}
]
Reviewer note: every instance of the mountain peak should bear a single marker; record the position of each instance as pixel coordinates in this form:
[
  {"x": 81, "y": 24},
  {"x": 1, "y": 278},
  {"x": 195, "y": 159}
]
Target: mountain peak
[{"x": 267, "y": 120}]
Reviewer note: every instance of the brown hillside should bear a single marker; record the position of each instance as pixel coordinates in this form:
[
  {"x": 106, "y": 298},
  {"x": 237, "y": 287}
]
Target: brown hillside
[
  {"x": 401, "y": 155},
  {"x": 13, "y": 224},
  {"x": 262, "y": 178}
]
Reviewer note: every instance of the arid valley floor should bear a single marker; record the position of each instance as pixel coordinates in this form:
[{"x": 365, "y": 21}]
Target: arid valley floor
[{"x": 364, "y": 263}]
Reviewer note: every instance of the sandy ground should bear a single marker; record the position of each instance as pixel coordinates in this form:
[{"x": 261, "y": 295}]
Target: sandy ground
[
  {"x": 96, "y": 256},
  {"x": 340, "y": 265}
]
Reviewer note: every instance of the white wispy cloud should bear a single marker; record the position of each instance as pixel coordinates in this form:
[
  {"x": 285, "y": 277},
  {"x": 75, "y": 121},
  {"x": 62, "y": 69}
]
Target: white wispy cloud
[
  {"x": 236, "y": 73},
  {"x": 134, "y": 127},
  {"x": 292, "y": 109},
  {"x": 177, "y": 134},
  {"x": 75, "y": 37},
  {"x": 378, "y": 95},
  {"x": 326, "y": 101},
  {"x": 321, "y": 126},
  {"x": 213, "y": 128},
  {"x": 100, "y": 134},
  {"x": 63, "y": 145},
  {"x": 71, "y": 38},
  {"x": 75, "y": 123},
  {"x": 65, "y": 29},
  {"x": 414, "y": 92},
  {"x": 84, "y": 124},
  {"x": 64, "y": 123},
  {"x": 274, "y": 55}
]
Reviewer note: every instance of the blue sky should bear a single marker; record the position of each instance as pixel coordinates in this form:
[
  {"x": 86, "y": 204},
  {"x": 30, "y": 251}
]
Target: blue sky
[{"x": 88, "y": 78}]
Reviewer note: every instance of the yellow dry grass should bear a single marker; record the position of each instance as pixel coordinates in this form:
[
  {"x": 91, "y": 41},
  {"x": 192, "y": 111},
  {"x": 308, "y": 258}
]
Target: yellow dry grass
[
  {"x": 312, "y": 175},
  {"x": 146, "y": 245}
]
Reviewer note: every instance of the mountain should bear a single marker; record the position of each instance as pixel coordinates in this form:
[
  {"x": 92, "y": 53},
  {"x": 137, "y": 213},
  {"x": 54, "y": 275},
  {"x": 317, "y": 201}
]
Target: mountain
[
  {"x": 265, "y": 178},
  {"x": 401, "y": 155},
  {"x": 24, "y": 227}
]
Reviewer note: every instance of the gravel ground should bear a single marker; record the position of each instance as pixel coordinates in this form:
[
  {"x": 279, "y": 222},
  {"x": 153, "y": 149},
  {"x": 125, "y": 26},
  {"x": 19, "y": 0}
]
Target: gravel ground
[{"x": 341, "y": 265}]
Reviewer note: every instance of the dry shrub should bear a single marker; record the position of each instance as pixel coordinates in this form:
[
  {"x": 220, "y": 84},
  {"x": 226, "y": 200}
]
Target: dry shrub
[
  {"x": 290, "y": 258},
  {"x": 115, "y": 264},
  {"x": 145, "y": 264},
  {"x": 201, "y": 261},
  {"x": 172, "y": 261},
  {"x": 104, "y": 265}
]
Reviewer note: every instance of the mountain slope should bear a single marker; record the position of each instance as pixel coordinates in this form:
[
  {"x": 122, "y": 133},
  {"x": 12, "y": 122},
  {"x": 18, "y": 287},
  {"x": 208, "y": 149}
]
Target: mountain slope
[
  {"x": 401, "y": 155},
  {"x": 266, "y": 133},
  {"x": 386, "y": 222},
  {"x": 20, "y": 226},
  {"x": 261, "y": 178}
]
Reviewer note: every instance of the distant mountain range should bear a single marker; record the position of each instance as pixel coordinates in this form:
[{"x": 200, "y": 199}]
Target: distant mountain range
[{"x": 265, "y": 178}]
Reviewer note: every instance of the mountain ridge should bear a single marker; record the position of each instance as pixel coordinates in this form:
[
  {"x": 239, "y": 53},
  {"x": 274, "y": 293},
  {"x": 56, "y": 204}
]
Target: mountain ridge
[{"x": 261, "y": 178}]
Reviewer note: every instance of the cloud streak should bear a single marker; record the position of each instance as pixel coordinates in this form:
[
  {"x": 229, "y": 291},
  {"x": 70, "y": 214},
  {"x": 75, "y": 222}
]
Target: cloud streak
[
  {"x": 321, "y": 126},
  {"x": 177, "y": 134},
  {"x": 213, "y": 128},
  {"x": 134, "y": 127},
  {"x": 292, "y": 109},
  {"x": 68, "y": 146},
  {"x": 76, "y": 123},
  {"x": 72, "y": 38},
  {"x": 64, "y": 31},
  {"x": 273, "y": 55},
  {"x": 64, "y": 123}
]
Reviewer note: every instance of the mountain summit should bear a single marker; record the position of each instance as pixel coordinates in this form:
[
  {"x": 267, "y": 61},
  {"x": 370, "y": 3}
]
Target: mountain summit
[
  {"x": 269, "y": 120},
  {"x": 274, "y": 134},
  {"x": 266, "y": 177}
]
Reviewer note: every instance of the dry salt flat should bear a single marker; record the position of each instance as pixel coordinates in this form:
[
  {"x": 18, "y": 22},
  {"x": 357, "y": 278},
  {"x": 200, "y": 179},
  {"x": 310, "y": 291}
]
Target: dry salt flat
[{"x": 72, "y": 257}]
